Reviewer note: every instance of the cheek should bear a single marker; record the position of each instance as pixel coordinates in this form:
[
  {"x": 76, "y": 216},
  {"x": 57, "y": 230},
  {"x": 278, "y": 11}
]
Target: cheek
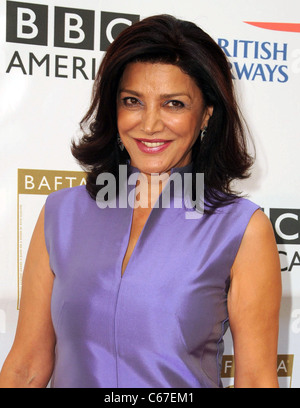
[
  {"x": 187, "y": 127},
  {"x": 126, "y": 120}
]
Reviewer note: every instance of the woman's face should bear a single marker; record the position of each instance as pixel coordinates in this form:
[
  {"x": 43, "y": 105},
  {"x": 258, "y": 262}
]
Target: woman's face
[{"x": 160, "y": 112}]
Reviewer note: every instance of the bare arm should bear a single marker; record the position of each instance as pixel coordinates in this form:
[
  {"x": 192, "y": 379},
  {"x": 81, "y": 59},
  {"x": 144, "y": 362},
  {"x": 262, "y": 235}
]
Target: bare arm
[
  {"x": 253, "y": 305},
  {"x": 30, "y": 361}
]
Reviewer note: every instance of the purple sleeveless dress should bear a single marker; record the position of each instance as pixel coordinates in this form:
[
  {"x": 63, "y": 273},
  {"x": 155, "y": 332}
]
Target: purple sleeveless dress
[{"x": 162, "y": 323}]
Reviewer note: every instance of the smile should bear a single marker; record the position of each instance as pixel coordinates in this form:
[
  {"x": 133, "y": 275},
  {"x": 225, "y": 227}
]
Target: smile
[{"x": 152, "y": 147}]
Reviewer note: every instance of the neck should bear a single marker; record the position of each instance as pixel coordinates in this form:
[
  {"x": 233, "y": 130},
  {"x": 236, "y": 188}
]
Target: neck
[{"x": 149, "y": 188}]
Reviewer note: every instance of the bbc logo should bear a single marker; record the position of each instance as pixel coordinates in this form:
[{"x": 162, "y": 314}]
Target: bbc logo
[
  {"x": 286, "y": 225},
  {"x": 73, "y": 28}
]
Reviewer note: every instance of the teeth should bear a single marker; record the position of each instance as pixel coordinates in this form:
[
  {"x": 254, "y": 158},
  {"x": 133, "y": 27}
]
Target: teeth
[{"x": 148, "y": 144}]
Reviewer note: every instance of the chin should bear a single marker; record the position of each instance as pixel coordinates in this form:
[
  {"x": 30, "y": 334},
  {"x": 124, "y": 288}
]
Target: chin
[{"x": 148, "y": 169}]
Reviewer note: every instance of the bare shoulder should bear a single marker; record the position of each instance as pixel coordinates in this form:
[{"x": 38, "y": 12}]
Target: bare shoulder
[
  {"x": 259, "y": 226},
  {"x": 258, "y": 244}
]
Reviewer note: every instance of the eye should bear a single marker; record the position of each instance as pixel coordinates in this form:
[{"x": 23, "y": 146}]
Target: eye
[
  {"x": 175, "y": 104},
  {"x": 130, "y": 101}
]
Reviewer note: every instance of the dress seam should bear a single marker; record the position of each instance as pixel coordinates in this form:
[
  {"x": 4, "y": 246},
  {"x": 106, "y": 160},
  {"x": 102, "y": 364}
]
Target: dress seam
[
  {"x": 219, "y": 363},
  {"x": 115, "y": 336}
]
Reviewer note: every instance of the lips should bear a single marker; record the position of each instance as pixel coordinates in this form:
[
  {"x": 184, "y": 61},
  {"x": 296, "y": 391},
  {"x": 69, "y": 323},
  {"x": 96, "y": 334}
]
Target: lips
[{"x": 153, "y": 145}]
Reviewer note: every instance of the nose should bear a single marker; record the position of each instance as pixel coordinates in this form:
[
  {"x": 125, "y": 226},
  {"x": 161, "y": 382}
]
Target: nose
[{"x": 151, "y": 121}]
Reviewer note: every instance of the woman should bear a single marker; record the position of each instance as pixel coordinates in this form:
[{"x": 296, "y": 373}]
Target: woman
[{"x": 141, "y": 296}]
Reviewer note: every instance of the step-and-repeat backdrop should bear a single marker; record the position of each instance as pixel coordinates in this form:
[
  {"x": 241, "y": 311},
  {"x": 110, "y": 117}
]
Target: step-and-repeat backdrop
[{"x": 49, "y": 54}]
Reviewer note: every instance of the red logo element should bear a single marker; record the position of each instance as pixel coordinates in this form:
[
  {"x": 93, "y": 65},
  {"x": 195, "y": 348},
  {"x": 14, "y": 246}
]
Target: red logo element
[{"x": 289, "y": 27}]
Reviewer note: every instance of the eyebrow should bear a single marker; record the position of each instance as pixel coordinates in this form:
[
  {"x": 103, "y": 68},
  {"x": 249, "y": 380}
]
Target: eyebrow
[{"x": 164, "y": 96}]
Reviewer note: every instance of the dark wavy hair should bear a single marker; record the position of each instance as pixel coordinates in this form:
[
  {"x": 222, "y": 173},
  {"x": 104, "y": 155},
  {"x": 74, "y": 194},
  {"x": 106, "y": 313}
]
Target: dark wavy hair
[{"x": 222, "y": 155}]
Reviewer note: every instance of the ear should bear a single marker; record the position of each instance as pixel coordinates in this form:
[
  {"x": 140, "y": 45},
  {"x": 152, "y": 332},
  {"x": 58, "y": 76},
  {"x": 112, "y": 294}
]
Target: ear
[{"x": 207, "y": 115}]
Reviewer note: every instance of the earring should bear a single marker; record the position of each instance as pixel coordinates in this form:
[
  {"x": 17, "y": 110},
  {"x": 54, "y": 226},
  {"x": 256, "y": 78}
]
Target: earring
[
  {"x": 120, "y": 143},
  {"x": 203, "y": 133}
]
